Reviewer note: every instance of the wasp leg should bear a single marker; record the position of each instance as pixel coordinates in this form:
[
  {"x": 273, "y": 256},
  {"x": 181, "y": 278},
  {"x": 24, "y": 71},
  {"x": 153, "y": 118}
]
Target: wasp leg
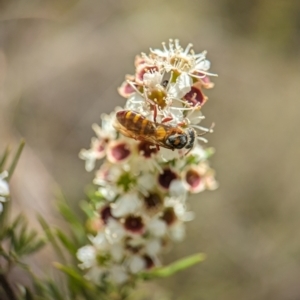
[{"x": 155, "y": 113}]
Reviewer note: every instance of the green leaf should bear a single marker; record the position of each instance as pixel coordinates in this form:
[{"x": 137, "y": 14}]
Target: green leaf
[
  {"x": 51, "y": 237},
  {"x": 66, "y": 242},
  {"x": 28, "y": 295},
  {"x": 23, "y": 240},
  {"x": 75, "y": 276},
  {"x": 87, "y": 208},
  {"x": 4, "y": 158},
  {"x": 15, "y": 159},
  {"x": 76, "y": 224},
  {"x": 54, "y": 291},
  {"x": 175, "y": 267}
]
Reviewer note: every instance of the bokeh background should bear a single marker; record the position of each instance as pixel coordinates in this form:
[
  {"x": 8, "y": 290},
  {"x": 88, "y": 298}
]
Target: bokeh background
[{"x": 60, "y": 65}]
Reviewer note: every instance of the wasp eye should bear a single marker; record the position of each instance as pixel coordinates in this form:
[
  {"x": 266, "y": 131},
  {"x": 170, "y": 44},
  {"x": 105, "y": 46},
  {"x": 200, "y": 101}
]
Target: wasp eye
[{"x": 177, "y": 141}]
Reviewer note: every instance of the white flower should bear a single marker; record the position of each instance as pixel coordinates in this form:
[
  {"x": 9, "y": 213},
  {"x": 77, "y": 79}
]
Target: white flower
[
  {"x": 143, "y": 186},
  {"x": 152, "y": 80},
  {"x": 4, "y": 189},
  {"x": 118, "y": 275},
  {"x": 87, "y": 255},
  {"x": 153, "y": 247},
  {"x": 183, "y": 60},
  {"x": 117, "y": 252},
  {"x": 177, "y": 232},
  {"x": 114, "y": 231},
  {"x": 157, "y": 227},
  {"x": 136, "y": 264},
  {"x": 100, "y": 241},
  {"x": 146, "y": 181},
  {"x": 126, "y": 204},
  {"x": 181, "y": 87},
  {"x": 108, "y": 193},
  {"x": 136, "y": 102},
  {"x": 178, "y": 188},
  {"x": 95, "y": 274}
]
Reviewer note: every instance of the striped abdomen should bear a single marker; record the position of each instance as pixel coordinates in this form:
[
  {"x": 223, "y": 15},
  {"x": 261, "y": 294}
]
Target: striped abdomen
[{"x": 135, "y": 122}]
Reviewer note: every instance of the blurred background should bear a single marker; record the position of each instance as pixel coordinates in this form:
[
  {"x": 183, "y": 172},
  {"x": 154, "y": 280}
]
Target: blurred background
[{"x": 60, "y": 65}]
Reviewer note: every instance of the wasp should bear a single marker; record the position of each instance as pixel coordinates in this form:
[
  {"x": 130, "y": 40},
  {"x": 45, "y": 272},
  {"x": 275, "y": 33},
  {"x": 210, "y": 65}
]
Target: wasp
[{"x": 136, "y": 126}]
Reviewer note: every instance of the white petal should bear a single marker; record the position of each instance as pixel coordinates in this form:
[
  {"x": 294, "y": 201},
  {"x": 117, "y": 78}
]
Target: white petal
[
  {"x": 135, "y": 102},
  {"x": 95, "y": 274},
  {"x": 199, "y": 152},
  {"x": 117, "y": 252},
  {"x": 99, "y": 241},
  {"x": 125, "y": 205},
  {"x": 152, "y": 79},
  {"x": 157, "y": 227},
  {"x": 177, "y": 188},
  {"x": 89, "y": 157},
  {"x": 3, "y": 175},
  {"x": 87, "y": 255},
  {"x": 2, "y": 199},
  {"x": 181, "y": 87},
  {"x": 177, "y": 232},
  {"x": 136, "y": 264},
  {"x": 203, "y": 65},
  {"x": 146, "y": 180},
  {"x": 159, "y": 52},
  {"x": 108, "y": 193},
  {"x": 196, "y": 117},
  {"x": 4, "y": 188},
  {"x": 184, "y": 83},
  {"x": 118, "y": 274},
  {"x": 153, "y": 247},
  {"x": 114, "y": 231}
]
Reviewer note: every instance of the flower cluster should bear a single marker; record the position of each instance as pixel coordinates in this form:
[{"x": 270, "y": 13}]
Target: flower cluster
[
  {"x": 141, "y": 204},
  {"x": 4, "y": 189}
]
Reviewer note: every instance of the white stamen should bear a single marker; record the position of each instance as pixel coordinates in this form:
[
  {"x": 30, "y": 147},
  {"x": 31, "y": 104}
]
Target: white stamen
[
  {"x": 187, "y": 49},
  {"x": 182, "y": 108},
  {"x": 202, "y": 139},
  {"x": 134, "y": 87},
  {"x": 202, "y": 128}
]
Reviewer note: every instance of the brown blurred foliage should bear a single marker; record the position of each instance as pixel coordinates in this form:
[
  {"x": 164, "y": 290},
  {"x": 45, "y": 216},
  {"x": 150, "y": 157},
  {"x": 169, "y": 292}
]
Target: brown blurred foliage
[{"x": 60, "y": 65}]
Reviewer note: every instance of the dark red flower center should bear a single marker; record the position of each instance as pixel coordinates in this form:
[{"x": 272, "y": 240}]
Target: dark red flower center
[
  {"x": 134, "y": 224},
  {"x": 195, "y": 96},
  {"x": 149, "y": 261},
  {"x": 193, "y": 178},
  {"x": 169, "y": 216},
  {"x": 153, "y": 201},
  {"x": 105, "y": 214},
  {"x": 166, "y": 178},
  {"x": 147, "y": 149},
  {"x": 120, "y": 152}
]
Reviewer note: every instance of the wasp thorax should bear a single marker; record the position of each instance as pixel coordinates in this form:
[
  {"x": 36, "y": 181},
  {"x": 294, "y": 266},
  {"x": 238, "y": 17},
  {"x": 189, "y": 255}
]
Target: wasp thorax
[{"x": 177, "y": 141}]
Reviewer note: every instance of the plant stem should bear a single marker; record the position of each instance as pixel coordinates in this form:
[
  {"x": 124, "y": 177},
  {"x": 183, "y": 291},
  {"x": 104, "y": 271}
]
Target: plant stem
[{"x": 7, "y": 288}]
